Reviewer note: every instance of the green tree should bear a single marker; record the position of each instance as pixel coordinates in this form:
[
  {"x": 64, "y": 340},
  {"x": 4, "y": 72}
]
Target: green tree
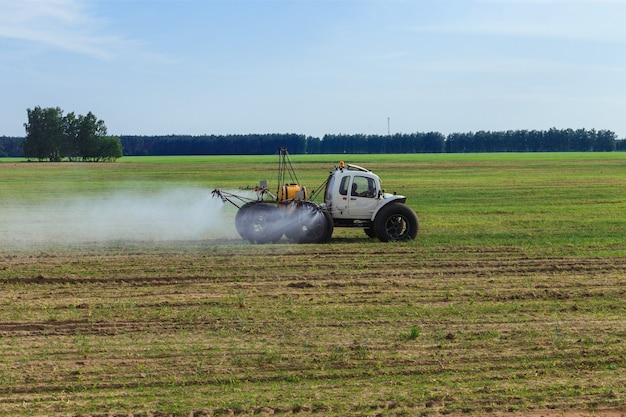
[
  {"x": 109, "y": 148},
  {"x": 54, "y": 137},
  {"x": 605, "y": 141},
  {"x": 44, "y": 134},
  {"x": 71, "y": 125},
  {"x": 91, "y": 132}
]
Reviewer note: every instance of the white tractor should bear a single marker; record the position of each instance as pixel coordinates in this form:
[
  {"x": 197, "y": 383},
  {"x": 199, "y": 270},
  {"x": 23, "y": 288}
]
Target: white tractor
[{"x": 353, "y": 197}]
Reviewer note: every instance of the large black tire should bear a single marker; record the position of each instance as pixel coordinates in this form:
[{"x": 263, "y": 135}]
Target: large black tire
[
  {"x": 259, "y": 222},
  {"x": 396, "y": 222},
  {"x": 369, "y": 231},
  {"x": 308, "y": 223},
  {"x": 242, "y": 220}
]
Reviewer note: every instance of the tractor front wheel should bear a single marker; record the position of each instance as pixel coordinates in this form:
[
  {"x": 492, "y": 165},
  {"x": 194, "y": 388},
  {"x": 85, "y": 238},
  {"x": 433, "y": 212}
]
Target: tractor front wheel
[
  {"x": 396, "y": 222},
  {"x": 369, "y": 231}
]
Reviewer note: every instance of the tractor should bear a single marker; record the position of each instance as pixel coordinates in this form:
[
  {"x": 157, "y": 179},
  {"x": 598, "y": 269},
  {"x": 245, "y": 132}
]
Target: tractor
[{"x": 353, "y": 197}]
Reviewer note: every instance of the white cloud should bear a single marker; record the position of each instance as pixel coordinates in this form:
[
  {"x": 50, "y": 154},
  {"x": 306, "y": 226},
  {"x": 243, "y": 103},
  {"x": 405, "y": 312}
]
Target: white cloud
[
  {"x": 575, "y": 20},
  {"x": 61, "y": 24}
]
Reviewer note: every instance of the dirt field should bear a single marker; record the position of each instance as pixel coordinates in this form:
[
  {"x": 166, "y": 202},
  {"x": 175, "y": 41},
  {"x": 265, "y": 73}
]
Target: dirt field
[{"x": 350, "y": 328}]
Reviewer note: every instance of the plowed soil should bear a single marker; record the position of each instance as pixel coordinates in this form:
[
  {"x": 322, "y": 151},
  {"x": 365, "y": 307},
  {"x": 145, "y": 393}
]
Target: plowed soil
[{"x": 348, "y": 328}]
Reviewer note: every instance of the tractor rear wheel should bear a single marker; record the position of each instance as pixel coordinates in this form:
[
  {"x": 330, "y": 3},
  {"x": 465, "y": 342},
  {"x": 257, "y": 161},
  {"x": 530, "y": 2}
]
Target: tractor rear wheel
[
  {"x": 308, "y": 223},
  {"x": 242, "y": 223},
  {"x": 259, "y": 222},
  {"x": 396, "y": 222}
]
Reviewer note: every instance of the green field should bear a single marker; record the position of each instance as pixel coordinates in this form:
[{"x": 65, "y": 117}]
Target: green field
[
  {"x": 567, "y": 203},
  {"x": 511, "y": 299}
]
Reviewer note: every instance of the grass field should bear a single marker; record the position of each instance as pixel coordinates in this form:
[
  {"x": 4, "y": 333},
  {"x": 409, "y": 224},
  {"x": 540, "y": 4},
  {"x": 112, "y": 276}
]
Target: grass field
[{"x": 511, "y": 300}]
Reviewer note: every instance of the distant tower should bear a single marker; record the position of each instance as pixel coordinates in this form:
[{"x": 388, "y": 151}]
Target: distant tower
[{"x": 388, "y": 126}]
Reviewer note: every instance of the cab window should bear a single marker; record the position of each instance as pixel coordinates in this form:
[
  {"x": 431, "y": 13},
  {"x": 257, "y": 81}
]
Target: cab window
[
  {"x": 363, "y": 187},
  {"x": 343, "y": 187}
]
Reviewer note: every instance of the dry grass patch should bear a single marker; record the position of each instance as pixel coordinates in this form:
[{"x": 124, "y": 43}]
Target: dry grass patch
[{"x": 334, "y": 329}]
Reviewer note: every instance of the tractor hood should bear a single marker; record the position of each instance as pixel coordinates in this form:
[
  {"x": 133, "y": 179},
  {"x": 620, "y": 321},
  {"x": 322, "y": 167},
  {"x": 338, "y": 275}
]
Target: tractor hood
[{"x": 394, "y": 197}]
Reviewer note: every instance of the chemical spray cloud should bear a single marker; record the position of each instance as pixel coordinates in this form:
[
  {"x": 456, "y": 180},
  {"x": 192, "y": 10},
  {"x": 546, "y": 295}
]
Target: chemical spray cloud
[{"x": 181, "y": 213}]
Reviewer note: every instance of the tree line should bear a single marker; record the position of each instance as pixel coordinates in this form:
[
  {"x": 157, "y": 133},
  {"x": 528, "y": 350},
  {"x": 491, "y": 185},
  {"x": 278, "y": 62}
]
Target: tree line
[
  {"x": 54, "y": 137},
  {"x": 84, "y": 138},
  {"x": 552, "y": 140},
  {"x": 11, "y": 146},
  {"x": 265, "y": 144}
]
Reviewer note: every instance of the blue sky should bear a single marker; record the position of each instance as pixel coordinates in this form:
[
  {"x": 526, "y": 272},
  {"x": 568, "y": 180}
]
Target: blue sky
[{"x": 159, "y": 67}]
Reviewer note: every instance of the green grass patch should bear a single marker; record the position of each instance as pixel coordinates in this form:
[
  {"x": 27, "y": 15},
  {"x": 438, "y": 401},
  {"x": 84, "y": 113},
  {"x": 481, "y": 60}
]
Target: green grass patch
[{"x": 566, "y": 202}]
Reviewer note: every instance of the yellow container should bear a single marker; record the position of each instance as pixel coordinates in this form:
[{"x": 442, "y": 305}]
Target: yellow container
[{"x": 292, "y": 192}]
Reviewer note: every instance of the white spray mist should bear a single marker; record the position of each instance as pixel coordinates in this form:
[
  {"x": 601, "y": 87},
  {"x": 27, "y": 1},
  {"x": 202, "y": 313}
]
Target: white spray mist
[{"x": 180, "y": 213}]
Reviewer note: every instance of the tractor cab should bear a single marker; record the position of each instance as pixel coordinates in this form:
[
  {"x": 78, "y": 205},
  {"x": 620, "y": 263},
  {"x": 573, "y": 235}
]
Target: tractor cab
[{"x": 352, "y": 192}]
